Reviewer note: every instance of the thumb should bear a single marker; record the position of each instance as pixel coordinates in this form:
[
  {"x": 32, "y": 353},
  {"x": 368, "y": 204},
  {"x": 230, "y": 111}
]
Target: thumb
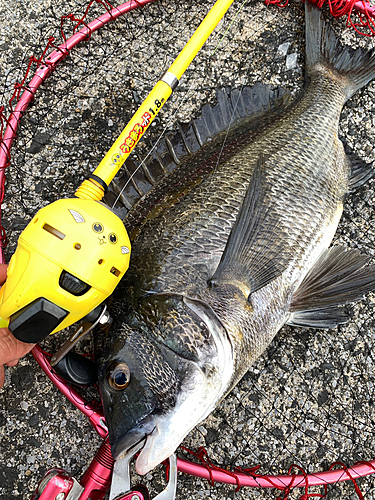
[
  {"x": 11, "y": 349},
  {"x": 2, "y": 376},
  {"x": 14, "y": 362}
]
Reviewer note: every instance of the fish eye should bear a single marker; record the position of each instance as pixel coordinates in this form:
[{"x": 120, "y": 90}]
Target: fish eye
[{"x": 118, "y": 376}]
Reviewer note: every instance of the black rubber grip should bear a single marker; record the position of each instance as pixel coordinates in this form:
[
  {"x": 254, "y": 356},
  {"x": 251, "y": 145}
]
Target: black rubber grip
[{"x": 76, "y": 369}]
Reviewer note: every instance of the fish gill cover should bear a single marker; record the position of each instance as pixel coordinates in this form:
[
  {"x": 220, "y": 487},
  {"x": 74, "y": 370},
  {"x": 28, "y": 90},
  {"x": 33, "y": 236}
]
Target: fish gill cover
[{"x": 309, "y": 399}]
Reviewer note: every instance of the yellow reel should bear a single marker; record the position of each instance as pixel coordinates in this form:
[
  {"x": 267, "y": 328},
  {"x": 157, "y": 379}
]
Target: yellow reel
[
  {"x": 74, "y": 252},
  {"x": 68, "y": 260}
]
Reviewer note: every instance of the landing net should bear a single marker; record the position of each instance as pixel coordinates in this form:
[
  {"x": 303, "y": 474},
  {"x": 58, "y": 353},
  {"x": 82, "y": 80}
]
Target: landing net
[{"x": 308, "y": 401}]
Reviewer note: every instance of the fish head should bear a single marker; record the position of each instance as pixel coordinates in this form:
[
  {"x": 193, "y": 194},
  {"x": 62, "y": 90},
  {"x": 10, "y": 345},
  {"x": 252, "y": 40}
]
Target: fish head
[{"x": 161, "y": 374}]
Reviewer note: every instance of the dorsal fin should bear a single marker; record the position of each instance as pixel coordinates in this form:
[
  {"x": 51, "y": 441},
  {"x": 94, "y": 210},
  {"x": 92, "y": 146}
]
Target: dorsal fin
[{"x": 247, "y": 109}]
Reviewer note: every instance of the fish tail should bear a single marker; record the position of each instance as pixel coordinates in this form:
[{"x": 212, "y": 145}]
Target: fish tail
[{"x": 353, "y": 67}]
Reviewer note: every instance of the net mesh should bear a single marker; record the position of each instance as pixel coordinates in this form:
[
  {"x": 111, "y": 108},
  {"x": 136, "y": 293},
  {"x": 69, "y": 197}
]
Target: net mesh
[{"x": 309, "y": 399}]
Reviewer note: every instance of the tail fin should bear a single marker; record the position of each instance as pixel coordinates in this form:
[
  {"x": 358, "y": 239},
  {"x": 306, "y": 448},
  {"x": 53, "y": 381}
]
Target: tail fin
[{"x": 323, "y": 48}]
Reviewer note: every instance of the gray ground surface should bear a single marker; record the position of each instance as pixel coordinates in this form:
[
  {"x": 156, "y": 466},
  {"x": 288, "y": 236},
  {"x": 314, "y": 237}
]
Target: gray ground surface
[{"x": 309, "y": 399}]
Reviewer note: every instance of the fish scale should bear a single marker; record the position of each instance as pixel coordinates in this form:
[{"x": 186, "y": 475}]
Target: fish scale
[
  {"x": 186, "y": 227},
  {"x": 226, "y": 240}
]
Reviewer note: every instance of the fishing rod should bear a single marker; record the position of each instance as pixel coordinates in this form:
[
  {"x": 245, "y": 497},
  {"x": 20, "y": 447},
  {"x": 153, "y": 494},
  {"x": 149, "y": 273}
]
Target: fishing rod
[{"x": 74, "y": 252}]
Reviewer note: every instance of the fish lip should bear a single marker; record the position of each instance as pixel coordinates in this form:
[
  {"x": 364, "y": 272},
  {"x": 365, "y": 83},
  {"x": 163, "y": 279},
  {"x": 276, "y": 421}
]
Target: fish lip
[{"x": 133, "y": 437}]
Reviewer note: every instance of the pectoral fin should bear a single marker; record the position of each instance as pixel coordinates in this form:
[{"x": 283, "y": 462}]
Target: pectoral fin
[
  {"x": 257, "y": 250},
  {"x": 339, "y": 276}
]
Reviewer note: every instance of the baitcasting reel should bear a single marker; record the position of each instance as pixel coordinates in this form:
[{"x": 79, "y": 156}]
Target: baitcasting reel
[{"x": 69, "y": 259}]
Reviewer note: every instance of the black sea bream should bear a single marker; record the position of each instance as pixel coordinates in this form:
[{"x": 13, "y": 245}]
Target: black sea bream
[{"x": 229, "y": 247}]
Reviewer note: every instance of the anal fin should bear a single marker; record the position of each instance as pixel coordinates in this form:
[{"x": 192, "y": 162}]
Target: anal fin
[
  {"x": 361, "y": 171},
  {"x": 325, "y": 317},
  {"x": 339, "y": 276}
]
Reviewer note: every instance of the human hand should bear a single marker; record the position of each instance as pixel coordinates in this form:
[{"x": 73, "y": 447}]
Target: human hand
[{"x": 11, "y": 349}]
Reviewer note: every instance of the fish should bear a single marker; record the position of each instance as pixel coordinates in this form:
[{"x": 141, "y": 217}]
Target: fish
[{"x": 231, "y": 244}]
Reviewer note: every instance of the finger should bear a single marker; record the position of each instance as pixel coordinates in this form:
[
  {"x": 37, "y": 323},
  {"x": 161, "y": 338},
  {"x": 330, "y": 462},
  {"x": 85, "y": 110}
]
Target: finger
[
  {"x": 11, "y": 349},
  {"x": 2, "y": 376},
  {"x": 14, "y": 362},
  {"x": 3, "y": 273},
  {"x": 20, "y": 349}
]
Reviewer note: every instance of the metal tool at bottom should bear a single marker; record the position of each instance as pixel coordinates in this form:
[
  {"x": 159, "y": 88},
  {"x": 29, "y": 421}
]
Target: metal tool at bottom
[{"x": 121, "y": 485}]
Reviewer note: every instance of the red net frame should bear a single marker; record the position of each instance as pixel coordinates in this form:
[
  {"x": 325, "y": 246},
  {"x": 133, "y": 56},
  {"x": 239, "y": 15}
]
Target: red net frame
[
  {"x": 206, "y": 469},
  {"x": 360, "y": 14}
]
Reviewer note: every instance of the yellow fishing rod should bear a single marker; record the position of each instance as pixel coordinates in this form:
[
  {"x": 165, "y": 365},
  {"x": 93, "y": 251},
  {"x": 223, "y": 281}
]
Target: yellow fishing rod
[
  {"x": 74, "y": 252},
  {"x": 111, "y": 163}
]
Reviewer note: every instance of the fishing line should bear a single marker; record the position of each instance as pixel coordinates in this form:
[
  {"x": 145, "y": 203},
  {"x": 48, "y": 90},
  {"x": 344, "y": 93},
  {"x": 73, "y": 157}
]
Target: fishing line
[
  {"x": 159, "y": 138},
  {"x": 166, "y": 127},
  {"x": 187, "y": 95},
  {"x": 229, "y": 27}
]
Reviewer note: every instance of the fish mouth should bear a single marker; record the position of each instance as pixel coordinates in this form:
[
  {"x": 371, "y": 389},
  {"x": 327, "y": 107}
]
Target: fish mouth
[
  {"x": 153, "y": 450},
  {"x": 124, "y": 445}
]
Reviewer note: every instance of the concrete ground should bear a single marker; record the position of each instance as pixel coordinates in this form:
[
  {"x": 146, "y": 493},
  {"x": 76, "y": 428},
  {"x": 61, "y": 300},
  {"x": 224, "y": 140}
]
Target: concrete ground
[{"x": 309, "y": 399}]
